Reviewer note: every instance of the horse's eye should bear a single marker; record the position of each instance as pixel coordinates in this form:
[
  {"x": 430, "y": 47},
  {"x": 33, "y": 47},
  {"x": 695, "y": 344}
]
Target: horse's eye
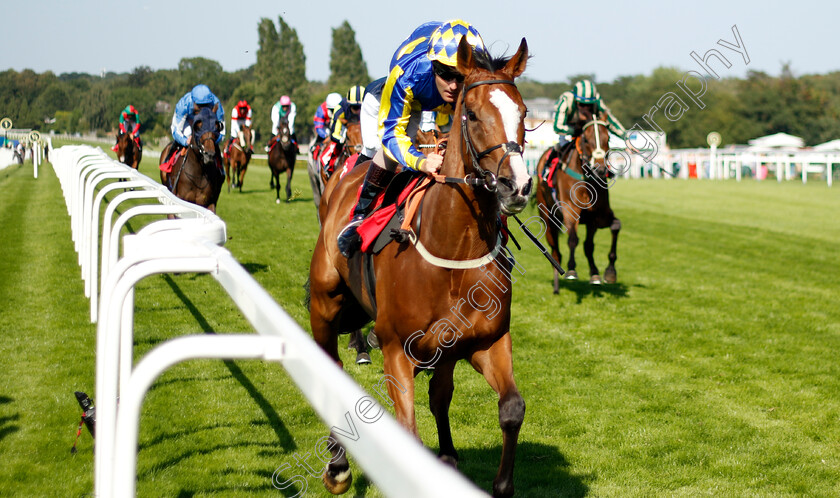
[{"x": 472, "y": 116}]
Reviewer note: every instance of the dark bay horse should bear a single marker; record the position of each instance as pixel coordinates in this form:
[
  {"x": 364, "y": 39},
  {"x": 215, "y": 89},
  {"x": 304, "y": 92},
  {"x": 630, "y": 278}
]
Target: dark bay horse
[
  {"x": 239, "y": 157},
  {"x": 445, "y": 295},
  {"x": 197, "y": 176},
  {"x": 128, "y": 152},
  {"x": 281, "y": 157},
  {"x": 581, "y": 197}
]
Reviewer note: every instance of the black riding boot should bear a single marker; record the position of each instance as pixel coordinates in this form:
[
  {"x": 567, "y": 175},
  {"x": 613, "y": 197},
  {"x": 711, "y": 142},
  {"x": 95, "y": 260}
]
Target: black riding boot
[{"x": 376, "y": 180}]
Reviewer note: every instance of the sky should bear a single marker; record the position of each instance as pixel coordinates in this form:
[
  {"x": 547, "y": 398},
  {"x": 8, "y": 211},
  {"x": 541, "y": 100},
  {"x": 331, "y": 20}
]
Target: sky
[{"x": 606, "y": 38}]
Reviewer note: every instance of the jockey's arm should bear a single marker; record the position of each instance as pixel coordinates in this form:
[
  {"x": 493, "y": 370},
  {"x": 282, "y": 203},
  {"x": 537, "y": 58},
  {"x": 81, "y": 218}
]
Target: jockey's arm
[
  {"x": 248, "y": 118},
  {"x": 291, "y": 117},
  {"x": 180, "y": 129},
  {"x": 561, "y": 116},
  {"x": 613, "y": 124},
  {"x": 394, "y": 116}
]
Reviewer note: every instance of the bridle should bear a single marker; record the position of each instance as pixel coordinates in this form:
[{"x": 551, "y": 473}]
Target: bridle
[
  {"x": 484, "y": 177},
  {"x": 198, "y": 145},
  {"x": 597, "y": 153}
]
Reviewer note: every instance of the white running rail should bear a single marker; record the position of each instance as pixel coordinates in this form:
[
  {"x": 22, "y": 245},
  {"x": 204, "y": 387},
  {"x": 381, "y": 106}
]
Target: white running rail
[{"x": 391, "y": 457}]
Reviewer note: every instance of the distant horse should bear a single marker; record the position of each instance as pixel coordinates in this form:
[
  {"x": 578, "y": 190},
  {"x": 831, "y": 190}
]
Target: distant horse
[
  {"x": 444, "y": 294},
  {"x": 197, "y": 176},
  {"x": 582, "y": 197},
  {"x": 239, "y": 157},
  {"x": 281, "y": 157},
  {"x": 128, "y": 151}
]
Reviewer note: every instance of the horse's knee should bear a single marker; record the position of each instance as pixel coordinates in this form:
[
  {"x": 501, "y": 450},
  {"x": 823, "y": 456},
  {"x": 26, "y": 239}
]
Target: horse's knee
[
  {"x": 511, "y": 412},
  {"x": 616, "y": 225}
]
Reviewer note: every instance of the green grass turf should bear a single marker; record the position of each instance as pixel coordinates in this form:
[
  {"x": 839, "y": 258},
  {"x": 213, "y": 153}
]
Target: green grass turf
[{"x": 709, "y": 369}]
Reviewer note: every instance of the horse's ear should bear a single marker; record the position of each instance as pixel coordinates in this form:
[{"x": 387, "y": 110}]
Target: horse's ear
[
  {"x": 516, "y": 64},
  {"x": 465, "y": 57}
]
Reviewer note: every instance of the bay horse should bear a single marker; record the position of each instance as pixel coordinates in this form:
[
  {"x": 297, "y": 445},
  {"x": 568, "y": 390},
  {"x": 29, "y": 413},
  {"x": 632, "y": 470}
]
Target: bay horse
[
  {"x": 197, "y": 175},
  {"x": 239, "y": 156},
  {"x": 581, "y": 197},
  {"x": 281, "y": 157},
  {"x": 128, "y": 152},
  {"x": 445, "y": 296}
]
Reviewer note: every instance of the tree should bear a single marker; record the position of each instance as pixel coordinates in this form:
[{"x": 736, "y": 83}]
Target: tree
[
  {"x": 280, "y": 70},
  {"x": 139, "y": 77},
  {"x": 347, "y": 67}
]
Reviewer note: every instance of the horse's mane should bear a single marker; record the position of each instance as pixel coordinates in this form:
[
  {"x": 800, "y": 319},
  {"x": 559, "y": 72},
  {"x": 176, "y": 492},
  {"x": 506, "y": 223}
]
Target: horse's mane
[
  {"x": 485, "y": 60},
  {"x": 493, "y": 63}
]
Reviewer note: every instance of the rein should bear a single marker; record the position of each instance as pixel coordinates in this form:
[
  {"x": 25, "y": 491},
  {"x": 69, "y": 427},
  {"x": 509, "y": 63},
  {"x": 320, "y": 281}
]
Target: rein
[
  {"x": 597, "y": 154},
  {"x": 487, "y": 178}
]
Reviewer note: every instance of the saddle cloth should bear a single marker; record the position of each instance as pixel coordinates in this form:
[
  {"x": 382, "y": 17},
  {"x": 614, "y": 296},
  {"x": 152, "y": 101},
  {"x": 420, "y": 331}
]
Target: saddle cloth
[{"x": 387, "y": 207}]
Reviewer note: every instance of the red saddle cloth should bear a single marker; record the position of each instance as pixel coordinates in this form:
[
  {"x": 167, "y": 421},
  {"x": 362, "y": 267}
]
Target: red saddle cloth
[
  {"x": 373, "y": 225},
  {"x": 166, "y": 167},
  {"x": 550, "y": 175},
  {"x": 349, "y": 164}
]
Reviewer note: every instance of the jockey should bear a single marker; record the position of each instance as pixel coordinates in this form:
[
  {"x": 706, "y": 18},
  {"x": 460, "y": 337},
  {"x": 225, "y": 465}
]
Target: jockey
[
  {"x": 323, "y": 115},
  {"x": 423, "y": 77},
  {"x": 130, "y": 113},
  {"x": 200, "y": 96},
  {"x": 284, "y": 108},
  {"x": 369, "y": 120},
  {"x": 566, "y": 124},
  {"x": 349, "y": 112},
  {"x": 239, "y": 116}
]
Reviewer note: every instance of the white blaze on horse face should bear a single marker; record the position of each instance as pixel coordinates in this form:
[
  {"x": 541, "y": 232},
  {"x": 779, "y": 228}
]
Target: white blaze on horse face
[{"x": 511, "y": 118}]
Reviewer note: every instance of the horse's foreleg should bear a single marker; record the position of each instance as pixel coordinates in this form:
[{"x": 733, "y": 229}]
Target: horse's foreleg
[
  {"x": 571, "y": 274},
  {"x": 276, "y": 179},
  {"x": 357, "y": 342},
  {"x": 589, "y": 252},
  {"x": 399, "y": 373},
  {"x": 227, "y": 174},
  {"x": 289, "y": 184},
  {"x": 496, "y": 364},
  {"x": 441, "y": 388},
  {"x": 242, "y": 170},
  {"x": 609, "y": 273},
  {"x": 551, "y": 237}
]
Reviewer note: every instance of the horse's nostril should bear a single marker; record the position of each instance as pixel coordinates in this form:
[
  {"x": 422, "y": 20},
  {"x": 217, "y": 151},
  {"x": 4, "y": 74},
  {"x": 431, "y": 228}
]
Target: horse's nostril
[
  {"x": 506, "y": 183},
  {"x": 526, "y": 189}
]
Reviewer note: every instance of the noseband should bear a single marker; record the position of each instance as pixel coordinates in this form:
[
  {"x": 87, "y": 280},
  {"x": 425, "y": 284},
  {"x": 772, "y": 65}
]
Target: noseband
[
  {"x": 598, "y": 153},
  {"x": 487, "y": 178}
]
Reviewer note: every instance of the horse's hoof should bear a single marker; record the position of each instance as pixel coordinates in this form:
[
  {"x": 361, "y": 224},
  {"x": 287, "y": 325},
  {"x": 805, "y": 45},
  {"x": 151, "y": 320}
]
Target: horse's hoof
[
  {"x": 278, "y": 201},
  {"x": 449, "y": 460},
  {"x": 571, "y": 275},
  {"x": 362, "y": 359},
  {"x": 610, "y": 277},
  {"x": 339, "y": 484},
  {"x": 595, "y": 280},
  {"x": 372, "y": 340}
]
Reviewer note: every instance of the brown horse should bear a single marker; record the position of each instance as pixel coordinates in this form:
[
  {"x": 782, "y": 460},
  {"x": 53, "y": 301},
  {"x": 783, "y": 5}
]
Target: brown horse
[
  {"x": 446, "y": 295},
  {"x": 582, "y": 197},
  {"x": 197, "y": 176},
  {"x": 239, "y": 157},
  {"x": 281, "y": 157},
  {"x": 128, "y": 152}
]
